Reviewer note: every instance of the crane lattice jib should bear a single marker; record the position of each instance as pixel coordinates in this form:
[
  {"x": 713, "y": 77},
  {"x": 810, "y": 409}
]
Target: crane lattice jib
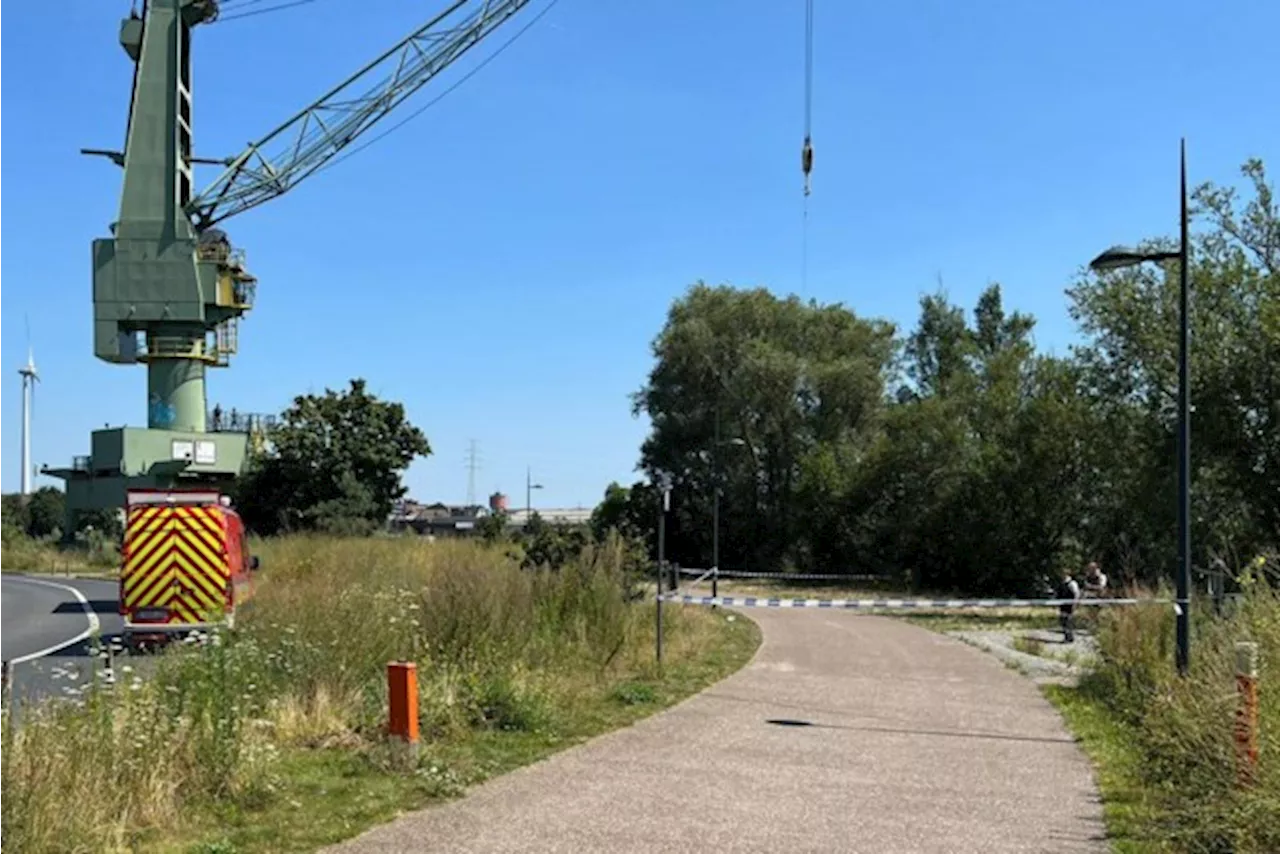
[{"x": 276, "y": 163}]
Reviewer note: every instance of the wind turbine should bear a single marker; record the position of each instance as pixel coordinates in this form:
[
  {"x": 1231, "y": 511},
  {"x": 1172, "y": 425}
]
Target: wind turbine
[{"x": 29, "y": 379}]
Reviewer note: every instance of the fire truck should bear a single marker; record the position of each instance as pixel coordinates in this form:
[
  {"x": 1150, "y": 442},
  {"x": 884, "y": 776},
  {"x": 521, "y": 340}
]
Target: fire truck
[{"x": 186, "y": 565}]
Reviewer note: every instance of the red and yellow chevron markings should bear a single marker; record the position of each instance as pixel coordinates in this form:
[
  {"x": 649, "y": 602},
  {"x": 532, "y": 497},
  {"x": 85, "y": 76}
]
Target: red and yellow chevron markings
[{"x": 176, "y": 559}]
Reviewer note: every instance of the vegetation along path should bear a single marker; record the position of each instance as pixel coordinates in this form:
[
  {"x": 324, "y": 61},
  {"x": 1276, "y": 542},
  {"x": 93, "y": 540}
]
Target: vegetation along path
[{"x": 845, "y": 733}]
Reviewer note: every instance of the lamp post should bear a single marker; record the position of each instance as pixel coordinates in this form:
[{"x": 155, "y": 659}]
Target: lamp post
[
  {"x": 529, "y": 487},
  {"x": 715, "y": 505},
  {"x": 715, "y": 511},
  {"x": 664, "y": 483},
  {"x": 1119, "y": 257}
]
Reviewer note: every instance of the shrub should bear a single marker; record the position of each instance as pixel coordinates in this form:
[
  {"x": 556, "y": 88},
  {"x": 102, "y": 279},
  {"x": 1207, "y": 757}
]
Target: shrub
[{"x": 1183, "y": 727}]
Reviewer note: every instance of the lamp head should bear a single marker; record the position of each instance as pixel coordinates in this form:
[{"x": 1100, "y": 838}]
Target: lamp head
[{"x": 1117, "y": 258}]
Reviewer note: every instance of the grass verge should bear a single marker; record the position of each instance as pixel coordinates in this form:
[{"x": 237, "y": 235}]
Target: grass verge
[
  {"x": 326, "y": 795},
  {"x": 1129, "y": 807},
  {"x": 987, "y": 620},
  {"x": 24, "y": 554},
  {"x": 268, "y": 739},
  {"x": 1171, "y": 738}
]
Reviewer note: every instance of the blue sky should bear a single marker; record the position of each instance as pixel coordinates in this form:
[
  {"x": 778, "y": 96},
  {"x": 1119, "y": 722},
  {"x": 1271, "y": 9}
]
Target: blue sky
[{"x": 502, "y": 262}]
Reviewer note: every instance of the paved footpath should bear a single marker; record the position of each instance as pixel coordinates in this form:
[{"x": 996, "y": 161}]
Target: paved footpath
[{"x": 916, "y": 743}]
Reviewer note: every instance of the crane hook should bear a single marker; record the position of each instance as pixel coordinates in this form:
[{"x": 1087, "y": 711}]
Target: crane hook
[{"x": 806, "y": 161}]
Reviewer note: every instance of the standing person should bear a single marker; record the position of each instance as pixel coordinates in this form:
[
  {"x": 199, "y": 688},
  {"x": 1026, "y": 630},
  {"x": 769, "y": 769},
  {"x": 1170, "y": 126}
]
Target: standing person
[
  {"x": 1069, "y": 589},
  {"x": 1095, "y": 581}
]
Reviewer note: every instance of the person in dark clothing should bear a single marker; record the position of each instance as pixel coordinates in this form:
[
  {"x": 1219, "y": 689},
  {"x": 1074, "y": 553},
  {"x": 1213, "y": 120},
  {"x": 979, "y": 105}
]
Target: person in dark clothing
[
  {"x": 1068, "y": 589},
  {"x": 1095, "y": 581}
]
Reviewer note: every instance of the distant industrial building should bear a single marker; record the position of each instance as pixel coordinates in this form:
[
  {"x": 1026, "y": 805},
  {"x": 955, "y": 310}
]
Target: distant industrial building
[
  {"x": 435, "y": 519},
  {"x": 441, "y": 519},
  {"x": 552, "y": 516}
]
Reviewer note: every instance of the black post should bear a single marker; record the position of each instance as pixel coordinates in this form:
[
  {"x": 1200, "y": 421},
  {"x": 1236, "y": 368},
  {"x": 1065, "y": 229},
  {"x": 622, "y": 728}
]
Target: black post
[
  {"x": 662, "y": 555},
  {"x": 715, "y": 511},
  {"x": 1184, "y": 435}
]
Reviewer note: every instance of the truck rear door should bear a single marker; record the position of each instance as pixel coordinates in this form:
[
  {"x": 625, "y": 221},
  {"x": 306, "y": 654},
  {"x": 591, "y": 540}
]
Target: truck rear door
[
  {"x": 146, "y": 576},
  {"x": 175, "y": 566}
]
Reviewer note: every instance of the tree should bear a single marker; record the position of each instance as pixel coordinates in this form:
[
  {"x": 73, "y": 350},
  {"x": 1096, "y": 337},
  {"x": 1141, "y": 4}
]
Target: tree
[
  {"x": 631, "y": 511},
  {"x": 631, "y": 514},
  {"x": 335, "y": 464},
  {"x": 610, "y": 513},
  {"x": 13, "y": 516},
  {"x": 40, "y": 514},
  {"x": 955, "y": 455},
  {"x": 46, "y": 512},
  {"x": 1130, "y": 321},
  {"x": 783, "y": 377},
  {"x": 492, "y": 528},
  {"x": 969, "y": 483},
  {"x": 552, "y": 546},
  {"x": 966, "y": 477}
]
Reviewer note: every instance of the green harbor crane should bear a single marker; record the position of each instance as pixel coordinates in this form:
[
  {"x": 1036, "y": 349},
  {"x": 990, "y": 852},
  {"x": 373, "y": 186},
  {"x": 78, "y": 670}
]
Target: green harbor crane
[{"x": 169, "y": 288}]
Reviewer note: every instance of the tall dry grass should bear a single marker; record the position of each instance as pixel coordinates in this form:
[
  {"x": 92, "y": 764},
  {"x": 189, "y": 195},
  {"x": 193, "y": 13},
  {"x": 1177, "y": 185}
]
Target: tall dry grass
[
  {"x": 20, "y": 553},
  {"x": 497, "y": 647},
  {"x": 1183, "y": 726}
]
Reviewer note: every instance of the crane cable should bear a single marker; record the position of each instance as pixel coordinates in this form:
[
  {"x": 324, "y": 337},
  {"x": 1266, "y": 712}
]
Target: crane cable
[
  {"x": 806, "y": 150},
  {"x": 236, "y": 14},
  {"x": 235, "y": 5},
  {"x": 443, "y": 93}
]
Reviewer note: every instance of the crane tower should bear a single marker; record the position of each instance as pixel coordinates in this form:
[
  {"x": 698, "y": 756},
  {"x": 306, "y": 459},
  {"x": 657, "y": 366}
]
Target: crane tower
[
  {"x": 164, "y": 295},
  {"x": 169, "y": 289}
]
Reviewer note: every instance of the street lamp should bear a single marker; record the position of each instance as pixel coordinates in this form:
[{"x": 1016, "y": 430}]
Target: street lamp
[
  {"x": 1119, "y": 257},
  {"x": 715, "y": 505},
  {"x": 529, "y": 487},
  {"x": 664, "y": 484}
]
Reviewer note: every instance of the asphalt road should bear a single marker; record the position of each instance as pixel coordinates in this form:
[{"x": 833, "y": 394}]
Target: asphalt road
[
  {"x": 846, "y": 733},
  {"x": 46, "y": 629}
]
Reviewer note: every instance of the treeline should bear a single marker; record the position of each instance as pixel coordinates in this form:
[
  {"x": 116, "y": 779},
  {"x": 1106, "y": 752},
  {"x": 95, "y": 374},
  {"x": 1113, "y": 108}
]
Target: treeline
[
  {"x": 954, "y": 455},
  {"x": 42, "y": 516}
]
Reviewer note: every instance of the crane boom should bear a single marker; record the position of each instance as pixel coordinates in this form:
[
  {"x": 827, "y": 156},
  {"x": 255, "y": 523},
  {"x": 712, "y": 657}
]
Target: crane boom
[{"x": 276, "y": 163}]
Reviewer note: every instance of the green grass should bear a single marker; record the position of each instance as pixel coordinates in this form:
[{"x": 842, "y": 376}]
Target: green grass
[
  {"x": 989, "y": 620},
  {"x": 324, "y": 796},
  {"x": 269, "y": 738},
  {"x": 1132, "y": 816},
  {"x": 327, "y": 795},
  {"x": 24, "y": 554},
  {"x": 1031, "y": 646}
]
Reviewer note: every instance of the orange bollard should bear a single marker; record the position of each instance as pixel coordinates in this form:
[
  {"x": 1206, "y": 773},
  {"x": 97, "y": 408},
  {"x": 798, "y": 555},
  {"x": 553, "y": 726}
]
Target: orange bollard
[
  {"x": 1247, "y": 713},
  {"x": 402, "y": 690}
]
